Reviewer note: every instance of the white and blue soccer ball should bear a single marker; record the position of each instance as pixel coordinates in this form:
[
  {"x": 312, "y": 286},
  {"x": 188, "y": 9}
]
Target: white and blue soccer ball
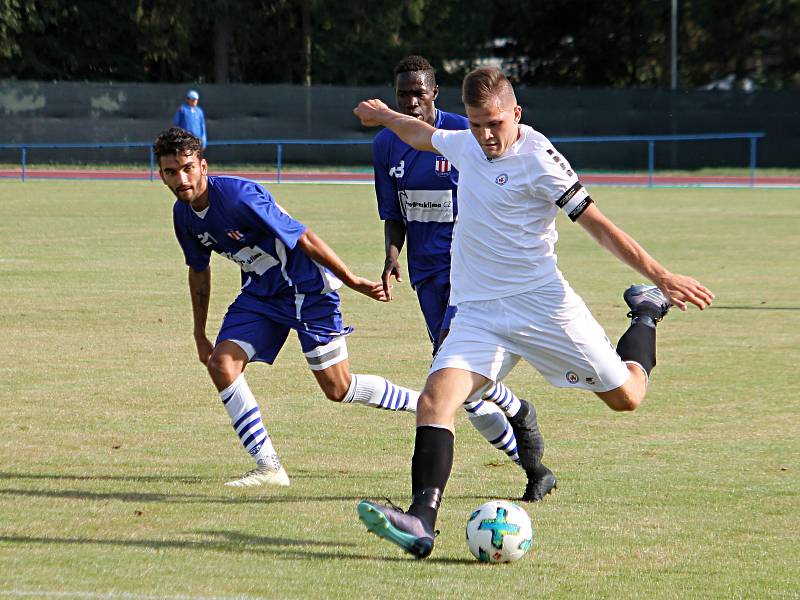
[{"x": 499, "y": 531}]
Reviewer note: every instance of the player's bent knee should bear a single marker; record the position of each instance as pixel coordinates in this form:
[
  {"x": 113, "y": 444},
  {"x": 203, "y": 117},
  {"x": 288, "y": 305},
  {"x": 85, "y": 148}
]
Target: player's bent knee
[
  {"x": 222, "y": 366},
  {"x": 335, "y": 393},
  {"x": 626, "y": 404},
  {"x": 425, "y": 402},
  {"x": 621, "y": 399},
  {"x": 334, "y": 382},
  {"x": 432, "y": 409}
]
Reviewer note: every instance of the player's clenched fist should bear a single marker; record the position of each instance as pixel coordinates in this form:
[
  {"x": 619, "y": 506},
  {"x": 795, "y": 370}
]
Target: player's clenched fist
[{"x": 369, "y": 112}]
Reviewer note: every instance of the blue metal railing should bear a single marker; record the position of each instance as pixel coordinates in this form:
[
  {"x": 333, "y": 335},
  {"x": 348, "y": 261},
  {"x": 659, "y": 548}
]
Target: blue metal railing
[
  {"x": 687, "y": 137},
  {"x": 650, "y": 140}
]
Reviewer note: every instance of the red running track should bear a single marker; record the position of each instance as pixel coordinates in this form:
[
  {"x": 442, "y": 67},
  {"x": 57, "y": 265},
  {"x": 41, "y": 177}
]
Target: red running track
[{"x": 345, "y": 177}]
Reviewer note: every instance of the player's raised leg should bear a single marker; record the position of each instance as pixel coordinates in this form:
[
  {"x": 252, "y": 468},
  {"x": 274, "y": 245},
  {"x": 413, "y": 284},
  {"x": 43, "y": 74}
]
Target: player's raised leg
[
  {"x": 414, "y": 530},
  {"x": 226, "y": 367},
  {"x": 637, "y": 346}
]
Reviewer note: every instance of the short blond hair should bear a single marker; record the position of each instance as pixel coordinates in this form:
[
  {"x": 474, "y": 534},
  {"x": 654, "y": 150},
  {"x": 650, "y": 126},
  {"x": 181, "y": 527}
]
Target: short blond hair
[{"x": 483, "y": 85}]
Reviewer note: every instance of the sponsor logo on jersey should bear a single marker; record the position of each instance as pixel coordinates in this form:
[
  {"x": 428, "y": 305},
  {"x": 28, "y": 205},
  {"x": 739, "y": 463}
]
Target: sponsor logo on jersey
[
  {"x": 252, "y": 259},
  {"x": 591, "y": 380},
  {"x": 501, "y": 179},
  {"x": 572, "y": 377},
  {"x": 427, "y": 206},
  {"x": 235, "y": 234},
  {"x": 399, "y": 170},
  {"x": 442, "y": 166}
]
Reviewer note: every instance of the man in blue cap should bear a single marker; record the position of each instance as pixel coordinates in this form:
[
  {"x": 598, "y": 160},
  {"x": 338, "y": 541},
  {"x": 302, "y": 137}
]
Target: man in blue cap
[{"x": 190, "y": 117}]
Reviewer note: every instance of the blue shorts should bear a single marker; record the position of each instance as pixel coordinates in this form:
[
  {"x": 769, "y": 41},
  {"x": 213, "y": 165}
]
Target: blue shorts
[
  {"x": 433, "y": 294},
  {"x": 260, "y": 325}
]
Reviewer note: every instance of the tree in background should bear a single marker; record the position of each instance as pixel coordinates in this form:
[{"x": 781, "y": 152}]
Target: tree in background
[
  {"x": 48, "y": 39},
  {"x": 565, "y": 43},
  {"x": 580, "y": 42},
  {"x": 749, "y": 40}
]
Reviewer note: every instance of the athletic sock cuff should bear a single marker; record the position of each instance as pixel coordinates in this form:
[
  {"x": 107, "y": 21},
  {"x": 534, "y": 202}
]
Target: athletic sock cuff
[
  {"x": 351, "y": 391},
  {"x": 638, "y": 345},
  {"x": 231, "y": 389}
]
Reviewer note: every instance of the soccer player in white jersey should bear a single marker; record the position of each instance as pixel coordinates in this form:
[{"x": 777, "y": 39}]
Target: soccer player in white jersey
[
  {"x": 417, "y": 194},
  {"x": 512, "y": 300},
  {"x": 289, "y": 280}
]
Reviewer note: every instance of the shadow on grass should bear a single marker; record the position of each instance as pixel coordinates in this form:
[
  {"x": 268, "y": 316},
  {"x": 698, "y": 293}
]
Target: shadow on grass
[
  {"x": 131, "y": 478},
  {"x": 236, "y": 542},
  {"x": 172, "y": 498},
  {"x": 190, "y": 479},
  {"x": 761, "y": 307}
]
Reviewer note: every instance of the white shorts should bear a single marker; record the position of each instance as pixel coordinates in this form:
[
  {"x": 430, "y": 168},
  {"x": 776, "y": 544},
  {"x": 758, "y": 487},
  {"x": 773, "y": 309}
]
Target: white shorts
[{"x": 550, "y": 327}]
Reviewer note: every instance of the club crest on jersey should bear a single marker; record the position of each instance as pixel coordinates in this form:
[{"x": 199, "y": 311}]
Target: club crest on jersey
[
  {"x": 442, "y": 166},
  {"x": 235, "y": 234},
  {"x": 501, "y": 179},
  {"x": 572, "y": 377}
]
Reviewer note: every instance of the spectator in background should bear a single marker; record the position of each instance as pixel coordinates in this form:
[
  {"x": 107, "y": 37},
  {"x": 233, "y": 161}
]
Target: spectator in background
[{"x": 190, "y": 117}]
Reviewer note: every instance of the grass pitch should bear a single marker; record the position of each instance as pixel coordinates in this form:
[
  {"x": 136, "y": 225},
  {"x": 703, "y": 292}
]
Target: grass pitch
[{"x": 114, "y": 445}]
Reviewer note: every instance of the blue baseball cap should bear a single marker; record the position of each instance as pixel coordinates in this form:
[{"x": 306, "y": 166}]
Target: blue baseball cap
[{"x": 193, "y": 95}]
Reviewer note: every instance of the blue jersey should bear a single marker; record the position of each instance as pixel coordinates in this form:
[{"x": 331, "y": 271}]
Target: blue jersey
[
  {"x": 193, "y": 120},
  {"x": 420, "y": 189},
  {"x": 243, "y": 223}
]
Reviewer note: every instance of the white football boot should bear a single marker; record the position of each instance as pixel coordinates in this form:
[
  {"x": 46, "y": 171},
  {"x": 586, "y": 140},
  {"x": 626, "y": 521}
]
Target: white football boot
[{"x": 271, "y": 473}]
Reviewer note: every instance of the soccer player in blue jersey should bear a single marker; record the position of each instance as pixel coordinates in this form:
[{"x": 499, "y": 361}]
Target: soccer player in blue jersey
[
  {"x": 289, "y": 280},
  {"x": 417, "y": 200}
]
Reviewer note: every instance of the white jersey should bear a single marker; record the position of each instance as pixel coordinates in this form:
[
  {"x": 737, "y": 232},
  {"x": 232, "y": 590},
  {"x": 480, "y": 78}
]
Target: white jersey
[{"x": 505, "y": 236}]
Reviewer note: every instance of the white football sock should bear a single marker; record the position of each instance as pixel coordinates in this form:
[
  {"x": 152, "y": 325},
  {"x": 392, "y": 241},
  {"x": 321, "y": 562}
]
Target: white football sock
[
  {"x": 246, "y": 420},
  {"x": 503, "y": 397},
  {"x": 380, "y": 393},
  {"x": 493, "y": 425}
]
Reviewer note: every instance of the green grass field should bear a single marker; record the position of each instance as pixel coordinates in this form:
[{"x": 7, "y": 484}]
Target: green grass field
[{"x": 114, "y": 445}]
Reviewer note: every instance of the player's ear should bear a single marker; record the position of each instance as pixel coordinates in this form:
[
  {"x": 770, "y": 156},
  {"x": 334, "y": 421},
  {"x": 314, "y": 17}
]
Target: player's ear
[
  {"x": 517, "y": 114},
  {"x": 204, "y": 167},
  {"x": 435, "y": 92}
]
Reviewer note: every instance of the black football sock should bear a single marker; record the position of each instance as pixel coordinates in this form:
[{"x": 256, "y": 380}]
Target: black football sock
[
  {"x": 430, "y": 470},
  {"x": 638, "y": 344}
]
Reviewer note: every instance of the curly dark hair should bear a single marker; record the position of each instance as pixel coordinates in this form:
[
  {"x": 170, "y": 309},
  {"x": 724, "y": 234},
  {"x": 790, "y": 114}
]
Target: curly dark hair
[
  {"x": 174, "y": 141},
  {"x": 414, "y": 63}
]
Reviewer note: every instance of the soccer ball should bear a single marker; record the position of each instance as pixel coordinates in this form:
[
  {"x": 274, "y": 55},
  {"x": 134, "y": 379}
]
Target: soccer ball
[{"x": 499, "y": 531}]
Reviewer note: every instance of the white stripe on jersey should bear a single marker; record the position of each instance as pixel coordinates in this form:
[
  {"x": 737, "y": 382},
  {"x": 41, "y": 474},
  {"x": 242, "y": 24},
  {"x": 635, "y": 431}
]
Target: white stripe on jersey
[
  {"x": 331, "y": 282},
  {"x": 298, "y": 305},
  {"x": 280, "y": 250}
]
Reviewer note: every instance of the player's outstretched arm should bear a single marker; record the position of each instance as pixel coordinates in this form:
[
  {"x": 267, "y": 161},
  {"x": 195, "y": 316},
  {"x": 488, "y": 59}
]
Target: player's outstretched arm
[
  {"x": 680, "y": 289},
  {"x": 318, "y": 251},
  {"x": 200, "y": 291},
  {"x": 412, "y": 131}
]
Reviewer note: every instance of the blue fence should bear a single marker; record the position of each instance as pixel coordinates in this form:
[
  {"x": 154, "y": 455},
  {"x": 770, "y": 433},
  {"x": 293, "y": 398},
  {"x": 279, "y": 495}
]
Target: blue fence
[{"x": 649, "y": 140}]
